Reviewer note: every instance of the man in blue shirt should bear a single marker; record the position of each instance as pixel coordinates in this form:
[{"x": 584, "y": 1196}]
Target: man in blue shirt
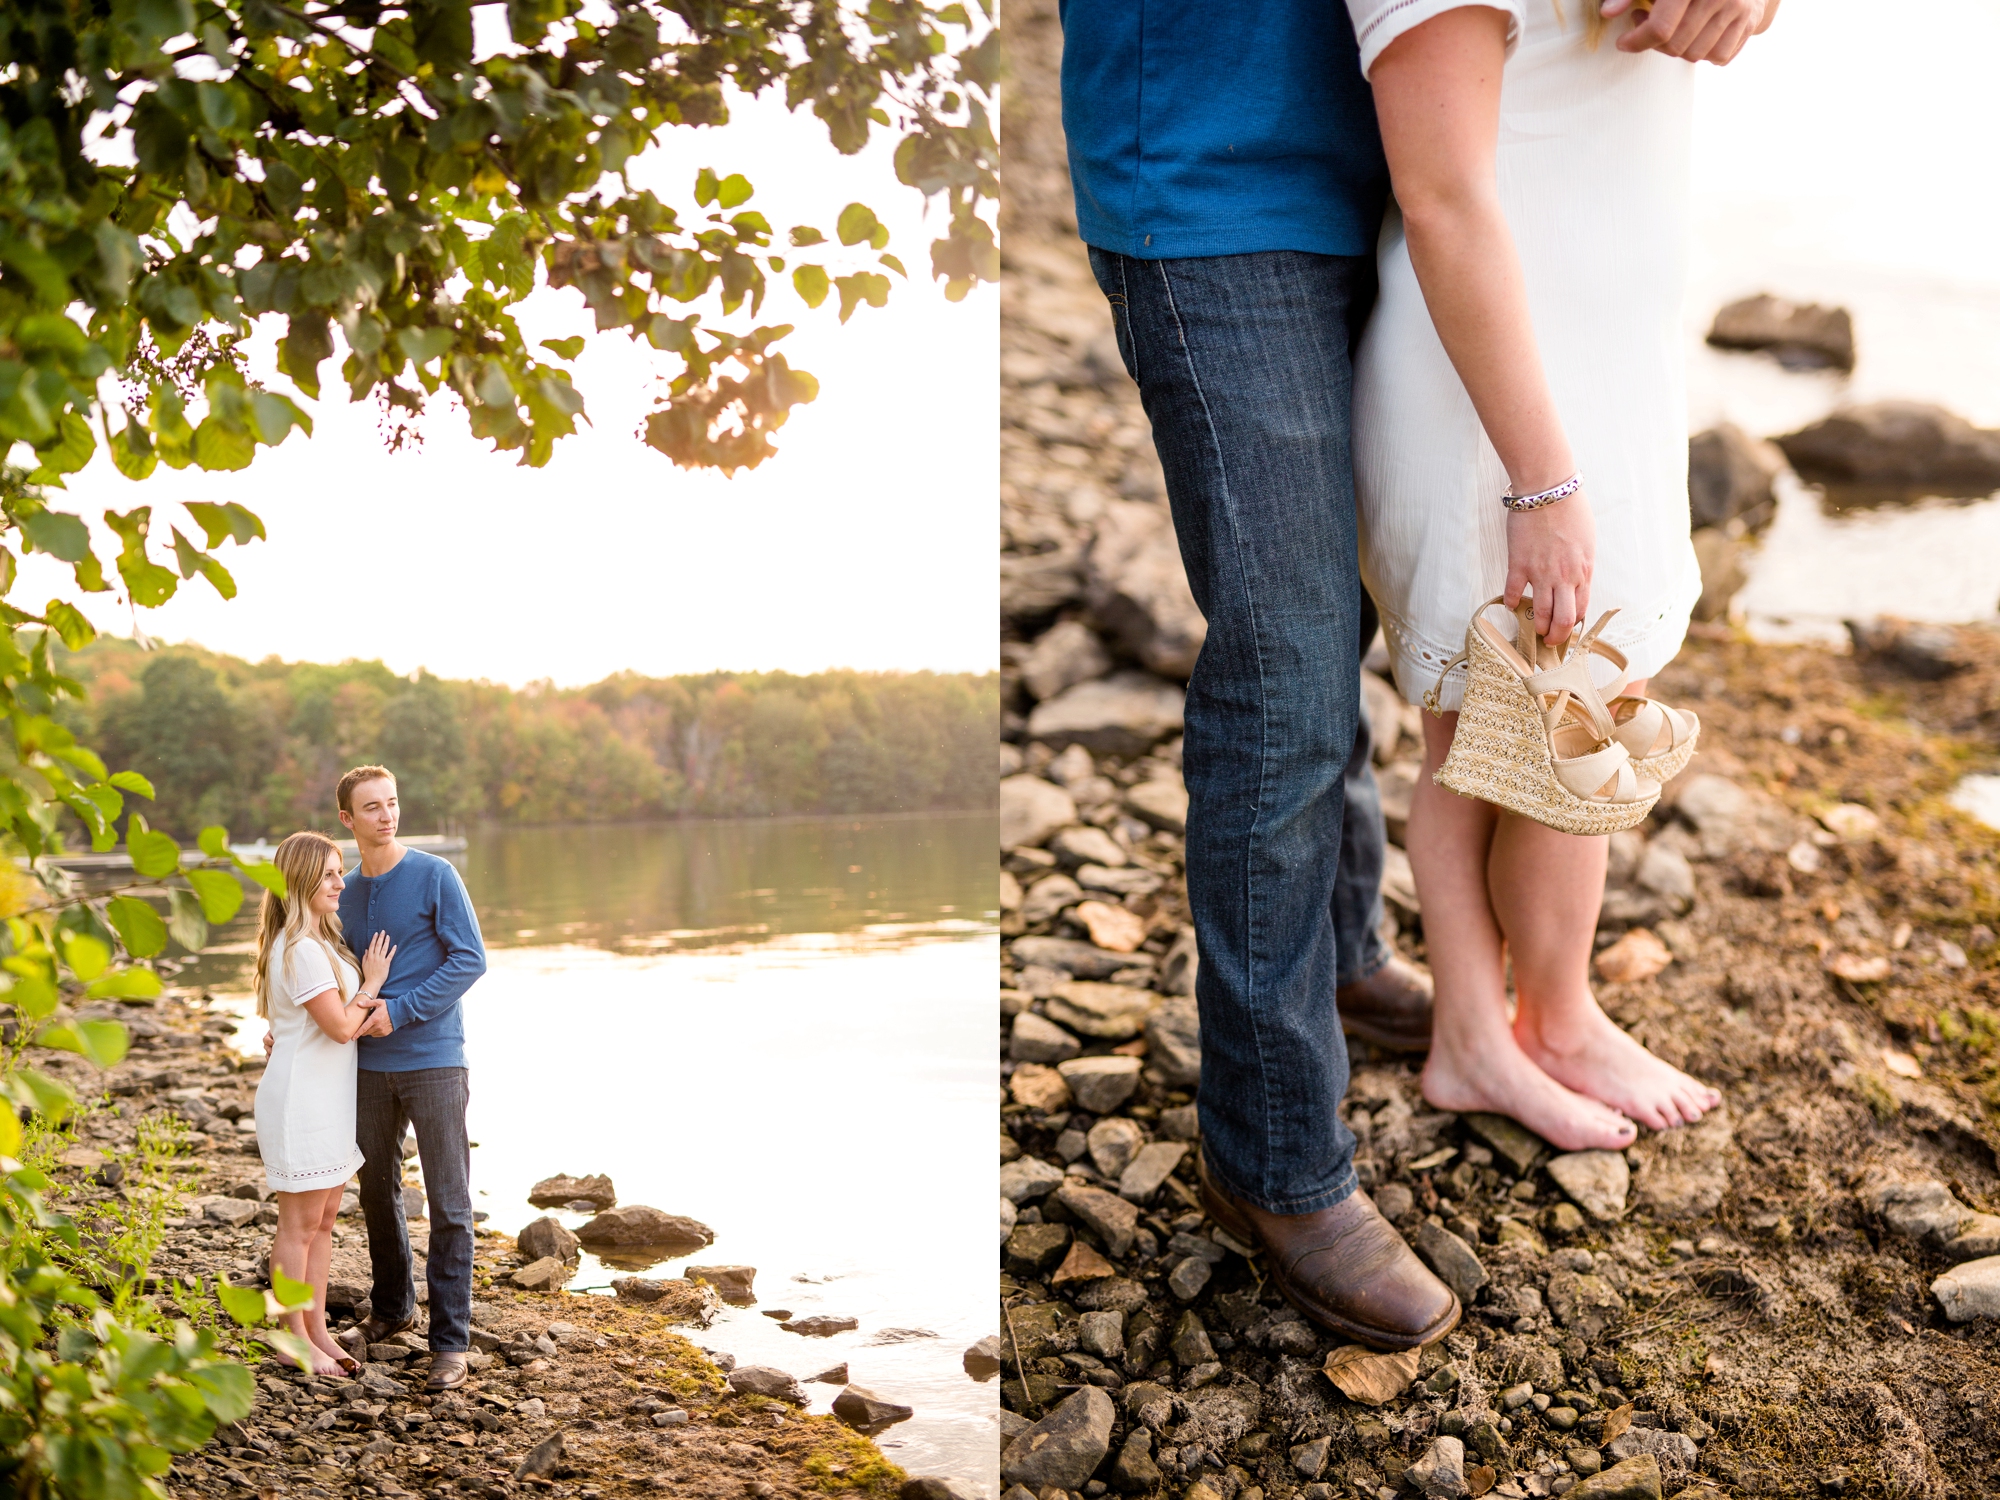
[
  {"x": 413, "y": 1069},
  {"x": 1230, "y": 184}
]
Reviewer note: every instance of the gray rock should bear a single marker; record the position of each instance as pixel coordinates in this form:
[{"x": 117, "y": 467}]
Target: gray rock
[
  {"x": 820, "y": 1325},
  {"x": 545, "y": 1237},
  {"x": 1665, "y": 871},
  {"x": 1929, "y": 653},
  {"x": 1181, "y": 1122},
  {"x": 542, "y": 1459},
  {"x": 1034, "y": 585},
  {"x": 1127, "y": 882},
  {"x": 562, "y": 1190},
  {"x": 1031, "y": 809},
  {"x": 1112, "y": 1144},
  {"x": 1596, "y": 1181},
  {"x": 636, "y": 1224},
  {"x": 1160, "y": 803},
  {"x": 545, "y": 1275},
  {"x": 1067, "y": 653},
  {"x": 860, "y": 1407},
  {"x": 1440, "y": 1473},
  {"x": 1393, "y": 1201},
  {"x": 1149, "y": 1170},
  {"x": 1037, "y": 1039},
  {"x": 1134, "y": 1472},
  {"x": 1048, "y": 898},
  {"x": 1080, "y": 960},
  {"x": 1173, "y": 1040},
  {"x": 1103, "y": 1012},
  {"x": 1085, "y": 845},
  {"x": 1723, "y": 562},
  {"x": 1635, "y": 1479},
  {"x": 1517, "y": 1145},
  {"x": 982, "y": 1360},
  {"x": 1190, "y": 1344},
  {"x": 1970, "y": 1290},
  {"x": 1309, "y": 1458},
  {"x": 1674, "y": 1450},
  {"x": 1584, "y": 1304},
  {"x": 1027, "y": 1178},
  {"x": 936, "y": 1487},
  {"x": 1102, "y": 1334},
  {"x": 1119, "y": 1294},
  {"x": 1036, "y": 1249},
  {"x": 1101, "y": 1084},
  {"x": 1138, "y": 589},
  {"x": 235, "y": 1212},
  {"x": 1730, "y": 475},
  {"x": 1897, "y": 445},
  {"x": 1114, "y": 1221},
  {"x": 1065, "y": 1447},
  {"x": 1125, "y": 714},
  {"x": 1800, "y": 336},
  {"x": 765, "y": 1380},
  {"x": 1187, "y": 1279},
  {"x": 1455, "y": 1262}
]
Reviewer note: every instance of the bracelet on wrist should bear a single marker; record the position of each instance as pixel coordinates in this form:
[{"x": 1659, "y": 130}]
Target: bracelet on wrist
[{"x": 1540, "y": 498}]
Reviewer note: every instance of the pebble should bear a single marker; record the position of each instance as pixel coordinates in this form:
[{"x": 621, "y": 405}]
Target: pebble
[
  {"x": 1113, "y": 1142},
  {"x": 1101, "y": 1084},
  {"x": 1187, "y": 1279},
  {"x": 1150, "y": 1169},
  {"x": 1597, "y": 1181},
  {"x": 1970, "y": 1290},
  {"x": 1039, "y": 1040}
]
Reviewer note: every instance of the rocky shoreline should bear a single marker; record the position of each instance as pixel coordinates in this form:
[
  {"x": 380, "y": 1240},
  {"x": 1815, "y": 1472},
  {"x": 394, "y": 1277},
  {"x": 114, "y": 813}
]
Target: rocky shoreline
[
  {"x": 571, "y": 1394},
  {"x": 1801, "y": 1296}
]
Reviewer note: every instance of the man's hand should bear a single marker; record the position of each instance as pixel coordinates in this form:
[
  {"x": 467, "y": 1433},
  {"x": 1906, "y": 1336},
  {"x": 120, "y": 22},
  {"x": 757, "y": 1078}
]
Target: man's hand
[
  {"x": 379, "y": 1024},
  {"x": 1712, "y": 31}
]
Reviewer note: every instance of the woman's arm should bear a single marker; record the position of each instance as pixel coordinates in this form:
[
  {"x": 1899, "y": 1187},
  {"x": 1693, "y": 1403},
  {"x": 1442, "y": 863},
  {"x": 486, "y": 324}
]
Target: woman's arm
[
  {"x": 1437, "y": 93},
  {"x": 341, "y": 1022}
]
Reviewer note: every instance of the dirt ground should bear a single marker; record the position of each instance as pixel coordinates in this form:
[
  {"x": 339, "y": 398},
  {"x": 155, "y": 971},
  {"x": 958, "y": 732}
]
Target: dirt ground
[
  {"x": 1835, "y": 973},
  {"x": 566, "y": 1388}
]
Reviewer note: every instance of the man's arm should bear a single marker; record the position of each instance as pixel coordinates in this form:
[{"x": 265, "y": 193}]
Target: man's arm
[{"x": 465, "y": 958}]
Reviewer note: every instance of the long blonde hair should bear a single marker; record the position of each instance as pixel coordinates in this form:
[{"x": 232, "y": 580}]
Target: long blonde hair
[
  {"x": 301, "y": 859},
  {"x": 1593, "y": 18}
]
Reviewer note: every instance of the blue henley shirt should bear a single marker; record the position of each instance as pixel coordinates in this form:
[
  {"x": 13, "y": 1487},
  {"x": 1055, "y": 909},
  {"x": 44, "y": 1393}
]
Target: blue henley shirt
[
  {"x": 422, "y": 905},
  {"x": 1199, "y": 129}
]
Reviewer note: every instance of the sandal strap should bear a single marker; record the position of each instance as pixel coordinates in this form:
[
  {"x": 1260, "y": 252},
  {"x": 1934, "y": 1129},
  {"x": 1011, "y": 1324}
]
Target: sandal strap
[
  {"x": 1570, "y": 685},
  {"x": 1584, "y": 774}
]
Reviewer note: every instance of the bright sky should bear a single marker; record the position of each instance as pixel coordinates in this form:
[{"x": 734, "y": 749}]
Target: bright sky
[{"x": 867, "y": 543}]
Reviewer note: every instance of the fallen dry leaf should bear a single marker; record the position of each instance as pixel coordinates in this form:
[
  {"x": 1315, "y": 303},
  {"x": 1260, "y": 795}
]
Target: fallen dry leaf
[
  {"x": 1480, "y": 1479},
  {"x": 1615, "y": 1424},
  {"x": 1082, "y": 1264},
  {"x": 1637, "y": 955},
  {"x": 1901, "y": 1063},
  {"x": 1858, "y": 968},
  {"x": 1112, "y": 927},
  {"x": 1371, "y": 1378}
]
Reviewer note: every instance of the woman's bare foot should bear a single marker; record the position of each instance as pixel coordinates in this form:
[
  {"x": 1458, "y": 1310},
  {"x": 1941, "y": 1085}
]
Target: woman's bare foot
[
  {"x": 324, "y": 1365},
  {"x": 324, "y": 1342},
  {"x": 1503, "y": 1080},
  {"x": 1585, "y": 1049}
]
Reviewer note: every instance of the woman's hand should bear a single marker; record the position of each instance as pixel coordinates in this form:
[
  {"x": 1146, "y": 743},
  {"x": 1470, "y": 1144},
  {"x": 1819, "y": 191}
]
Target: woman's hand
[
  {"x": 1711, "y": 31},
  {"x": 1552, "y": 551},
  {"x": 375, "y": 962}
]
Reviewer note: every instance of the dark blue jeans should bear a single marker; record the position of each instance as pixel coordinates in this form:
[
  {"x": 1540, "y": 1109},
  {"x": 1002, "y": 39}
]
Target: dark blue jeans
[
  {"x": 1244, "y": 365},
  {"x": 433, "y": 1101}
]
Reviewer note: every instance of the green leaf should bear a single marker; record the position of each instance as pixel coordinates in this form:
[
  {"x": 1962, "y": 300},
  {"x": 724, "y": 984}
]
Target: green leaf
[
  {"x": 74, "y": 444},
  {"x": 185, "y": 921},
  {"x": 862, "y": 286},
  {"x": 857, "y": 223},
  {"x": 568, "y": 348},
  {"x": 222, "y": 522},
  {"x": 214, "y": 842},
  {"x": 154, "y": 855},
  {"x": 104, "y": 1042},
  {"x": 126, "y": 984},
  {"x": 894, "y": 264},
  {"x": 805, "y": 234},
  {"x": 10, "y": 1133},
  {"x": 704, "y": 187},
  {"x": 69, "y": 624},
  {"x": 733, "y": 190},
  {"x": 229, "y": 1391},
  {"x": 59, "y": 1038},
  {"x": 33, "y": 997},
  {"x": 219, "y": 577},
  {"x": 86, "y": 956},
  {"x": 132, "y": 781},
  {"x": 220, "y": 893},
  {"x": 265, "y": 874},
  {"x": 242, "y": 1303},
  {"x": 292, "y": 1295},
  {"x": 139, "y": 926},
  {"x": 187, "y": 556},
  {"x": 811, "y": 284},
  {"x": 426, "y": 344},
  {"x": 219, "y": 448},
  {"x": 291, "y": 1345},
  {"x": 58, "y": 534}
]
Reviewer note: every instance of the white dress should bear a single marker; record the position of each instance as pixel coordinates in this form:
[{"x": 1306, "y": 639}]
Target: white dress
[
  {"x": 305, "y": 1103},
  {"x": 1593, "y": 177}
]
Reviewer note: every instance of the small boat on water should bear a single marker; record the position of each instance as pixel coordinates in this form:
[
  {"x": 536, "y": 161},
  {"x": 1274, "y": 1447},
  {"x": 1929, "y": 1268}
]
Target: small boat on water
[{"x": 444, "y": 844}]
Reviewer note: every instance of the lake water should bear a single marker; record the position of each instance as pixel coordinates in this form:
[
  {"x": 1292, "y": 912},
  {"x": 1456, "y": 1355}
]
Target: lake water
[
  {"x": 782, "y": 1029},
  {"x": 1843, "y": 158}
]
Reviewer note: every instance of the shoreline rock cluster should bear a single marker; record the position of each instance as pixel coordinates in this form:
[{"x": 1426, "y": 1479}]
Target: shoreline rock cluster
[{"x": 1784, "y": 1300}]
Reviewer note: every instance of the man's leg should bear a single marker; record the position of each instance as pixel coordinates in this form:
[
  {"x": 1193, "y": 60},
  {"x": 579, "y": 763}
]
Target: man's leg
[
  {"x": 1243, "y": 364},
  {"x": 436, "y": 1100},
  {"x": 378, "y": 1127}
]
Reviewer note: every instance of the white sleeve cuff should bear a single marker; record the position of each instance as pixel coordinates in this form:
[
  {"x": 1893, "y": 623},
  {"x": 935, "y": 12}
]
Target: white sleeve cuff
[{"x": 1379, "y": 22}]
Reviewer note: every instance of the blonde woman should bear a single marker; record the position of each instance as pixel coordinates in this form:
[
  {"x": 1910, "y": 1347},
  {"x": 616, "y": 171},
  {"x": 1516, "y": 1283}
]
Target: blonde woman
[{"x": 309, "y": 988}]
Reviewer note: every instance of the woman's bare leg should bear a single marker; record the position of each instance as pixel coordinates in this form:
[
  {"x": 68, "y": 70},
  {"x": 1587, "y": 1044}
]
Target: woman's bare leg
[
  {"x": 1546, "y": 889},
  {"x": 1475, "y": 1062},
  {"x": 318, "y": 1265},
  {"x": 293, "y": 1250}
]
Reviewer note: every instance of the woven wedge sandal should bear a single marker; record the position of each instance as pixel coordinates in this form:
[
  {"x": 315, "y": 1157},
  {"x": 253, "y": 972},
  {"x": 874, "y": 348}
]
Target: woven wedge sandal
[
  {"x": 1531, "y": 742},
  {"x": 1661, "y": 740}
]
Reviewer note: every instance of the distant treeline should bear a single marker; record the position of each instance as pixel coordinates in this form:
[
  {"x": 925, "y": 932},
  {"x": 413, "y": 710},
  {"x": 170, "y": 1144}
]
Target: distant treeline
[{"x": 258, "y": 746}]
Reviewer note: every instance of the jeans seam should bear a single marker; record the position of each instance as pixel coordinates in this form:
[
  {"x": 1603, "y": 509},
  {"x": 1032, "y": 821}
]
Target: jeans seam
[{"x": 1250, "y": 907}]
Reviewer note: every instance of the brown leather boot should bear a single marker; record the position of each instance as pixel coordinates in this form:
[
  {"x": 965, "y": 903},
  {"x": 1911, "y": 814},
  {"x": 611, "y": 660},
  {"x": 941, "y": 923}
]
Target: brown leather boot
[
  {"x": 1390, "y": 1008},
  {"x": 1344, "y": 1267}
]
